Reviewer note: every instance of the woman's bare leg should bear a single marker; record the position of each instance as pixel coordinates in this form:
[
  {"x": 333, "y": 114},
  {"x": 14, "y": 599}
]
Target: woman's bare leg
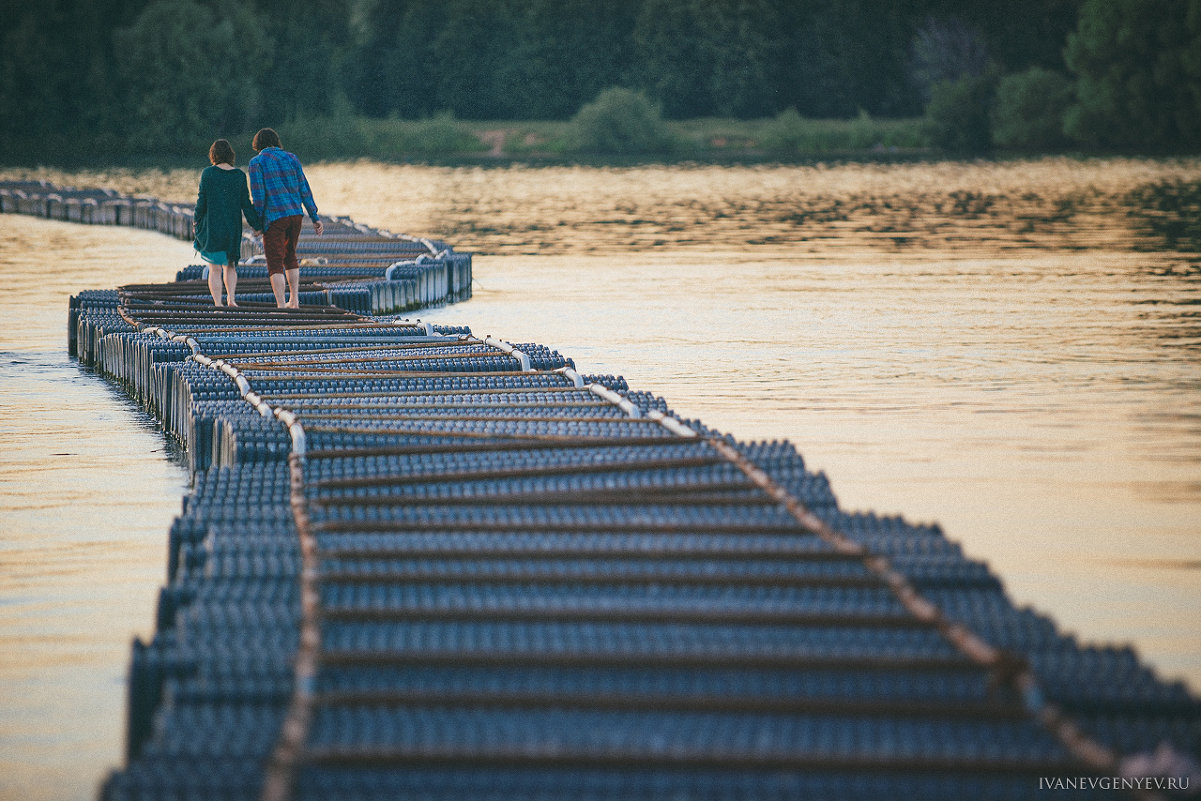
[
  {"x": 277, "y": 289},
  {"x": 215, "y": 284},
  {"x": 294, "y": 286},
  {"x": 231, "y": 282}
]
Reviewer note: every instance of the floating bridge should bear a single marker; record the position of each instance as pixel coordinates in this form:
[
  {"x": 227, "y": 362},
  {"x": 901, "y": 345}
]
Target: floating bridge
[{"x": 416, "y": 563}]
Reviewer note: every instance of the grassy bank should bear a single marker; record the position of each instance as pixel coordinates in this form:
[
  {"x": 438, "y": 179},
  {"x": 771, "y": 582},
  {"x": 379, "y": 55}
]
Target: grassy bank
[
  {"x": 446, "y": 140},
  {"x": 786, "y": 137}
]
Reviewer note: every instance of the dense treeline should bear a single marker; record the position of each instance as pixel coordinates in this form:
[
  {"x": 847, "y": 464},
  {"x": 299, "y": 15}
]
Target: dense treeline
[{"x": 1023, "y": 73}]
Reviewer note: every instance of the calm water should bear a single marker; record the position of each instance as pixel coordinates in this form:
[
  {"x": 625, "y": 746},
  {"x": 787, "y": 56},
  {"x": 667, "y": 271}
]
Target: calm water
[
  {"x": 1009, "y": 350},
  {"x": 88, "y": 489}
]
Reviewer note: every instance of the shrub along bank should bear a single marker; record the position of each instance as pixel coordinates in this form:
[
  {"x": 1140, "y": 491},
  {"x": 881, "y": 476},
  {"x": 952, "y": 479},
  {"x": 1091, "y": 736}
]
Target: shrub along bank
[{"x": 620, "y": 125}]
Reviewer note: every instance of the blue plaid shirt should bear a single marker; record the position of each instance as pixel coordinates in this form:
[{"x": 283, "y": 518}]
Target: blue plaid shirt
[{"x": 278, "y": 186}]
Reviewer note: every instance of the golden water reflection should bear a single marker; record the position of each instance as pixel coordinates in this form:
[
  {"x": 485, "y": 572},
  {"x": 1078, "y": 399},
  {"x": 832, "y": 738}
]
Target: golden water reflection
[
  {"x": 984, "y": 208},
  {"x": 87, "y": 494}
]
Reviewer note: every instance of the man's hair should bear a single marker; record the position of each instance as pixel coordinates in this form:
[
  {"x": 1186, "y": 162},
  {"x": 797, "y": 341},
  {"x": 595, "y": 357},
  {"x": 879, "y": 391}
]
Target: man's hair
[
  {"x": 221, "y": 152},
  {"x": 267, "y": 137}
]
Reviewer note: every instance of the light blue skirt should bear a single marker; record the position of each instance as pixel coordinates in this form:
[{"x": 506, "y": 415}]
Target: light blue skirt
[{"x": 214, "y": 258}]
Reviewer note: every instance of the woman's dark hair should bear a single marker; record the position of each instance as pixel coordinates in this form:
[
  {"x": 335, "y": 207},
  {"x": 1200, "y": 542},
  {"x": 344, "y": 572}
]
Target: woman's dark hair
[
  {"x": 266, "y": 137},
  {"x": 221, "y": 152}
]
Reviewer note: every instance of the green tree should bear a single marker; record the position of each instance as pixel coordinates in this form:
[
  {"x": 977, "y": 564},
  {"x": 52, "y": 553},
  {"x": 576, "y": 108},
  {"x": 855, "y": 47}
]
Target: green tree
[
  {"x": 1029, "y": 110},
  {"x": 706, "y": 57},
  {"x": 621, "y": 121},
  {"x": 1138, "y": 68},
  {"x": 847, "y": 56},
  {"x": 947, "y": 50},
  {"x": 56, "y": 76},
  {"x": 957, "y": 117},
  {"x": 745, "y": 44},
  {"x": 27, "y": 79},
  {"x": 303, "y": 67},
  {"x": 1024, "y": 33},
  {"x": 393, "y": 63},
  {"x": 473, "y": 51},
  {"x": 567, "y": 52},
  {"x": 190, "y": 74}
]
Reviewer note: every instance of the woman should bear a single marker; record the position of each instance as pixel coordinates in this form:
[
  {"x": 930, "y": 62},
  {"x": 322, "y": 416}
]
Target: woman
[
  {"x": 281, "y": 196},
  {"x": 222, "y": 201}
]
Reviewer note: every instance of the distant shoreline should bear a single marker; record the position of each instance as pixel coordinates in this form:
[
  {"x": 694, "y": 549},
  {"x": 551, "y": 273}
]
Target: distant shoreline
[{"x": 447, "y": 141}]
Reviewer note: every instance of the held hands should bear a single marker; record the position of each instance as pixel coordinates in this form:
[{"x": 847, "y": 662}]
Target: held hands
[{"x": 317, "y": 226}]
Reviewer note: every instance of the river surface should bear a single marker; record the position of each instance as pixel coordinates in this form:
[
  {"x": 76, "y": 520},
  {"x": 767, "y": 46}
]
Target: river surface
[{"x": 1010, "y": 350}]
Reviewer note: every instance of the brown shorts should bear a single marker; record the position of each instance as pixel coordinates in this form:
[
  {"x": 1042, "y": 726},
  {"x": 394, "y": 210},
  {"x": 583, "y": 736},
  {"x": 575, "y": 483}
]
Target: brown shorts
[{"x": 279, "y": 244}]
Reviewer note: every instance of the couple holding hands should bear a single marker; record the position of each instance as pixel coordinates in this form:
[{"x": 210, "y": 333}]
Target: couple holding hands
[{"x": 279, "y": 196}]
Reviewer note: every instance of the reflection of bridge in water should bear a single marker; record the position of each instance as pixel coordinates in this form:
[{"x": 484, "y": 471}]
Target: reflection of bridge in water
[{"x": 421, "y": 563}]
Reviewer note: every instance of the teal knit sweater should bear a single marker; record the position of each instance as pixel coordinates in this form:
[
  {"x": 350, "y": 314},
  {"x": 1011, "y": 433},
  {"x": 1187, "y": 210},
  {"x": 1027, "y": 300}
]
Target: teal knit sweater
[{"x": 222, "y": 201}]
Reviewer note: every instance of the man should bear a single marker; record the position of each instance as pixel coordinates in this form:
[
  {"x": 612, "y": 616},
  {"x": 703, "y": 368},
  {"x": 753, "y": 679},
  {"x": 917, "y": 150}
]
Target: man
[{"x": 281, "y": 195}]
